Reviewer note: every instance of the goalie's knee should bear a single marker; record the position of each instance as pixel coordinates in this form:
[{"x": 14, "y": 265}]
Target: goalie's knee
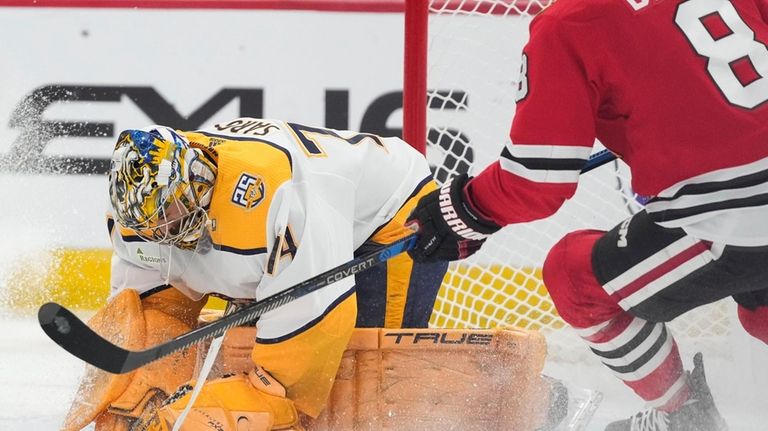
[{"x": 570, "y": 280}]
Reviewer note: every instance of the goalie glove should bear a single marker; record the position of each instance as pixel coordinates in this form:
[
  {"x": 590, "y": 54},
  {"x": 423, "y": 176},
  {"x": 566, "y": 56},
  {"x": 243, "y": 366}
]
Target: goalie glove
[{"x": 449, "y": 228}]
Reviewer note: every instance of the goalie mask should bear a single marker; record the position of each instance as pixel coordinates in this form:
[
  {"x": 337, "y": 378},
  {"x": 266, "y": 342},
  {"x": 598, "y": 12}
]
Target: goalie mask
[{"x": 159, "y": 186}]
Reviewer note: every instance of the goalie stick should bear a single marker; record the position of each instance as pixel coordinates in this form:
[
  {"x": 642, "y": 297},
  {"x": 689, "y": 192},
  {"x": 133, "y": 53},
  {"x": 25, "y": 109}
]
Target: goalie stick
[{"x": 74, "y": 336}]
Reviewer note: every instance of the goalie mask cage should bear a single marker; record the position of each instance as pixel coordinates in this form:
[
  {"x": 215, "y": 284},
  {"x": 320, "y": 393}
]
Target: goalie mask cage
[{"x": 461, "y": 63}]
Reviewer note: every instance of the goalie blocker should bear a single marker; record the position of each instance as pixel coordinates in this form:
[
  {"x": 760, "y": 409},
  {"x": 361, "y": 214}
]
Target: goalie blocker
[{"x": 426, "y": 379}]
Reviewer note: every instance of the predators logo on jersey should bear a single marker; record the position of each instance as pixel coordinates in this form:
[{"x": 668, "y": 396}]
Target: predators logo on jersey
[{"x": 249, "y": 191}]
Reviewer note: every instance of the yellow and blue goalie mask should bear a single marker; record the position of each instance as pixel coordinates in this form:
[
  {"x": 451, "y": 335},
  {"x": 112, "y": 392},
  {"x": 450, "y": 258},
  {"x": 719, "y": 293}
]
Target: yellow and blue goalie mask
[{"x": 150, "y": 187}]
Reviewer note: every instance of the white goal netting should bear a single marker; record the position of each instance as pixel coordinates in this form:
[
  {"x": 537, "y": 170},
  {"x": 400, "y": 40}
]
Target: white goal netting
[{"x": 473, "y": 62}]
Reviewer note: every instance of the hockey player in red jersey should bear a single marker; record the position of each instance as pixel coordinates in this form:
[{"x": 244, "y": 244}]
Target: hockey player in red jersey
[{"x": 678, "y": 90}]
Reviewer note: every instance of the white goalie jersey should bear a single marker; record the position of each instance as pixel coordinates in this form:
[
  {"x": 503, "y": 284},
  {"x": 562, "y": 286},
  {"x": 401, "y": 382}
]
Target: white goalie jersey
[{"x": 289, "y": 202}]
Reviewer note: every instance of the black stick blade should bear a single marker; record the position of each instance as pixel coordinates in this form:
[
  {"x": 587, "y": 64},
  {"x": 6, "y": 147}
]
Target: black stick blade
[{"x": 74, "y": 336}]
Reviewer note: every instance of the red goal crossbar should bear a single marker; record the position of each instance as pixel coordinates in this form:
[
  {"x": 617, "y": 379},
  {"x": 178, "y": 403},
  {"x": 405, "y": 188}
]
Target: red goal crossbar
[{"x": 316, "y": 5}]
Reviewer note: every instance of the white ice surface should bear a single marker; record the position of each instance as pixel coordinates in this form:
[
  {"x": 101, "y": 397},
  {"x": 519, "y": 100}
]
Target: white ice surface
[
  {"x": 38, "y": 380},
  {"x": 736, "y": 370}
]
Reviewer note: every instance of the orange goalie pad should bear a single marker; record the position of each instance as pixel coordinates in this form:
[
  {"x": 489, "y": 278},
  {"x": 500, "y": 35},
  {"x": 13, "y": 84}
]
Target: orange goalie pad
[
  {"x": 426, "y": 379},
  {"x": 134, "y": 324}
]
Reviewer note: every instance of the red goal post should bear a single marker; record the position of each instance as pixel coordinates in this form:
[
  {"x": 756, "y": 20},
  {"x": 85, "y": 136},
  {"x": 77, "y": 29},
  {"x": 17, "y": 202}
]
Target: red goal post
[{"x": 416, "y": 53}]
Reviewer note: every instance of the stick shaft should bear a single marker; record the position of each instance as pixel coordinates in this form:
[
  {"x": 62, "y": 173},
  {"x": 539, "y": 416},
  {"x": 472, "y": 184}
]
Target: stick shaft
[{"x": 68, "y": 331}]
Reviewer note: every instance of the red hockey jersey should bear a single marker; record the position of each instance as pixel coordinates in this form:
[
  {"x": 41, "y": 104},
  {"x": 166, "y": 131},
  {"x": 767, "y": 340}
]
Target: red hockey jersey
[{"x": 676, "y": 88}]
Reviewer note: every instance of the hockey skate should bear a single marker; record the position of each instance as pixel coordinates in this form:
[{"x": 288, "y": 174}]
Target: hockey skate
[{"x": 697, "y": 414}]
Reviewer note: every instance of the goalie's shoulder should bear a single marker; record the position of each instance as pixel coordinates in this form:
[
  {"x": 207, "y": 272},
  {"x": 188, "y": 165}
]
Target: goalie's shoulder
[
  {"x": 252, "y": 163},
  {"x": 246, "y": 150},
  {"x": 247, "y": 184}
]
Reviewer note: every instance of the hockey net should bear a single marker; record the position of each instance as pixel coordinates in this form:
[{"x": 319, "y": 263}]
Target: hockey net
[{"x": 473, "y": 58}]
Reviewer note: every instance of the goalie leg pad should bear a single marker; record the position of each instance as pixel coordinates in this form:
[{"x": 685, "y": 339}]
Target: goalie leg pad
[
  {"x": 242, "y": 402},
  {"x": 135, "y": 324},
  {"x": 433, "y": 379}
]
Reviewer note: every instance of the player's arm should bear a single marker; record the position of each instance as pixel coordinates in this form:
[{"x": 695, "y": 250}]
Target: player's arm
[
  {"x": 304, "y": 227},
  {"x": 299, "y": 345},
  {"x": 551, "y": 138},
  {"x": 310, "y": 235}
]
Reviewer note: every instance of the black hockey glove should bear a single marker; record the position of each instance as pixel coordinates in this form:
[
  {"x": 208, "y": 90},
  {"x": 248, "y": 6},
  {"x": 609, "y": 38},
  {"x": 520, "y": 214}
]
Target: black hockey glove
[{"x": 448, "y": 228}]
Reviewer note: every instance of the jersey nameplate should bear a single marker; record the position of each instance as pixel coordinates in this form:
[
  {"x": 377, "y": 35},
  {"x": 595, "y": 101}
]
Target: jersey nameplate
[{"x": 248, "y": 127}]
